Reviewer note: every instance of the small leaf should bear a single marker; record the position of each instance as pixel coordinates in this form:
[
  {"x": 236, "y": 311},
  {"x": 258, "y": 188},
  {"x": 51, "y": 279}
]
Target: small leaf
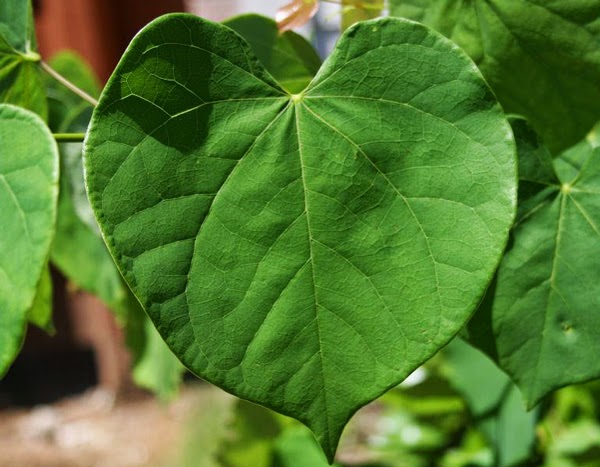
[
  {"x": 475, "y": 377},
  {"x": 28, "y": 193},
  {"x": 541, "y": 58},
  {"x": 289, "y": 57},
  {"x": 539, "y": 315},
  {"x": 290, "y": 248},
  {"x": 296, "y": 14},
  {"x": 155, "y": 367},
  {"x": 494, "y": 401},
  {"x": 20, "y": 76},
  {"x": 63, "y": 104},
  {"x": 40, "y": 313},
  {"x": 354, "y": 11}
]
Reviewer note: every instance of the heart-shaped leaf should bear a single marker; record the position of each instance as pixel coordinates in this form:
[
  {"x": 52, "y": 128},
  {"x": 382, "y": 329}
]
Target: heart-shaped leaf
[
  {"x": 28, "y": 192},
  {"x": 288, "y": 56},
  {"x": 305, "y": 251},
  {"x": 541, "y": 58},
  {"x": 20, "y": 74},
  {"x": 544, "y": 300}
]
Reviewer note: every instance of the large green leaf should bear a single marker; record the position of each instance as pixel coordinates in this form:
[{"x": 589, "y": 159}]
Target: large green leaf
[
  {"x": 155, "y": 367},
  {"x": 20, "y": 74},
  {"x": 541, "y": 57},
  {"x": 289, "y": 57},
  {"x": 28, "y": 192},
  {"x": 539, "y": 320},
  {"x": 306, "y": 251}
]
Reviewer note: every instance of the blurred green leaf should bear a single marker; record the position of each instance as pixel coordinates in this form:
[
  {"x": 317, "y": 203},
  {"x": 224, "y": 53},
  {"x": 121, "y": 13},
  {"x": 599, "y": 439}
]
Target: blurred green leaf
[
  {"x": 494, "y": 401},
  {"x": 40, "y": 313},
  {"x": 288, "y": 56},
  {"x": 297, "y": 447},
  {"x": 253, "y": 432},
  {"x": 63, "y": 104},
  {"x": 475, "y": 377},
  {"x": 155, "y": 367}
]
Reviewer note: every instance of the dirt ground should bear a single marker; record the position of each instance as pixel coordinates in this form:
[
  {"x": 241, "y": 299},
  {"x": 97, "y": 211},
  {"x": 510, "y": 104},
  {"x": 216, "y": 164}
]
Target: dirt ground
[{"x": 95, "y": 430}]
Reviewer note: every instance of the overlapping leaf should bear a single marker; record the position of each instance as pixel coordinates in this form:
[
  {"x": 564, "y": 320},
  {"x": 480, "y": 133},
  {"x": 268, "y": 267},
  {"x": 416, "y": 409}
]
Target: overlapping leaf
[
  {"x": 20, "y": 76},
  {"x": 63, "y": 104},
  {"x": 541, "y": 58},
  {"x": 539, "y": 320},
  {"x": 494, "y": 401},
  {"x": 304, "y": 251},
  {"x": 40, "y": 313},
  {"x": 289, "y": 57},
  {"x": 28, "y": 192}
]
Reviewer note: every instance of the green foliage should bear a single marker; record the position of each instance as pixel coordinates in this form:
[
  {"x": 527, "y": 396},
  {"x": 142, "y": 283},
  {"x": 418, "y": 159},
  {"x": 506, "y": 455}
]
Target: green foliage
[
  {"x": 290, "y": 58},
  {"x": 541, "y": 57},
  {"x": 28, "y": 193},
  {"x": 539, "y": 306},
  {"x": 154, "y": 367},
  {"x": 305, "y": 235},
  {"x": 494, "y": 402},
  {"x": 20, "y": 75},
  {"x": 288, "y": 247},
  {"x": 40, "y": 313}
]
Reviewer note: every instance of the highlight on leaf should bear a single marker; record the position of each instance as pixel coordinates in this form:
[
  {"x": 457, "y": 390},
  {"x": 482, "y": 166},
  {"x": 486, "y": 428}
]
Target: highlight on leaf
[{"x": 296, "y": 14}]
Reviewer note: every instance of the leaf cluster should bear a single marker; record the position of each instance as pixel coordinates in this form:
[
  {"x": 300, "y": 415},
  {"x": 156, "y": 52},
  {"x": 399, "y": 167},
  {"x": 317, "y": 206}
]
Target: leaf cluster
[{"x": 306, "y": 235}]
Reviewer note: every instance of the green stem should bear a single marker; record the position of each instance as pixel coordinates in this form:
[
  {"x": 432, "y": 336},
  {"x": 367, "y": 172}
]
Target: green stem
[
  {"x": 66, "y": 83},
  {"x": 69, "y": 137}
]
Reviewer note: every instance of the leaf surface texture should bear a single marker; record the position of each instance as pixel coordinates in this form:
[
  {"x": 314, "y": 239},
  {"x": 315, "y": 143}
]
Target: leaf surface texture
[{"x": 303, "y": 251}]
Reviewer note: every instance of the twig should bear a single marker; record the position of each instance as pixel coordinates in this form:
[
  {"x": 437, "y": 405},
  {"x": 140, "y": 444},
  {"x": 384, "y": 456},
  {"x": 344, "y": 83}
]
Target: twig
[{"x": 66, "y": 83}]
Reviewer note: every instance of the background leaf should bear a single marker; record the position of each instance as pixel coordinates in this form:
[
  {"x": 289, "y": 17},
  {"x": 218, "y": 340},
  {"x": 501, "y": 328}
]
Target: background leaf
[
  {"x": 290, "y": 248},
  {"x": 494, "y": 401},
  {"x": 538, "y": 315},
  {"x": 155, "y": 367},
  {"x": 289, "y": 57},
  {"x": 40, "y": 312},
  {"x": 541, "y": 58},
  {"x": 20, "y": 75},
  {"x": 28, "y": 193},
  {"x": 63, "y": 104},
  {"x": 17, "y": 25}
]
